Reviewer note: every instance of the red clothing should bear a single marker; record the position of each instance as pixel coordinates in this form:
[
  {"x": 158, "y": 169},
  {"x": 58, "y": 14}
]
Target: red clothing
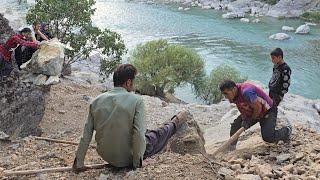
[
  {"x": 13, "y": 42},
  {"x": 247, "y": 94}
]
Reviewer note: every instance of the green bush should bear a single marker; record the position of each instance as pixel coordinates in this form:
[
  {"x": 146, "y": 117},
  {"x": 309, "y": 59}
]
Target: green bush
[
  {"x": 271, "y": 2},
  {"x": 70, "y": 21},
  {"x": 209, "y": 89},
  {"x": 163, "y": 67},
  {"x": 311, "y": 16}
]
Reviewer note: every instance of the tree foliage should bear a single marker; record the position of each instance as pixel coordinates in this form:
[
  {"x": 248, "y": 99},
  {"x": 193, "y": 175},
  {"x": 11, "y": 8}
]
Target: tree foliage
[
  {"x": 70, "y": 21},
  {"x": 163, "y": 67},
  {"x": 208, "y": 90}
]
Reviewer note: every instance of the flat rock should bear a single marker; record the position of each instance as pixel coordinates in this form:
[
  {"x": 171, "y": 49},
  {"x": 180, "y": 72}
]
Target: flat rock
[
  {"x": 248, "y": 177},
  {"x": 4, "y": 136},
  {"x": 245, "y": 20},
  {"x": 282, "y": 158},
  {"x": 264, "y": 170},
  {"x": 225, "y": 171},
  {"x": 279, "y": 36},
  {"x": 287, "y": 28}
]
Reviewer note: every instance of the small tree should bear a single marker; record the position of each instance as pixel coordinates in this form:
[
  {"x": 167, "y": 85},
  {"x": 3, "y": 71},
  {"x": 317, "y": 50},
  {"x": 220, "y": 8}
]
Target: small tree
[
  {"x": 163, "y": 67},
  {"x": 70, "y": 22},
  {"x": 208, "y": 90}
]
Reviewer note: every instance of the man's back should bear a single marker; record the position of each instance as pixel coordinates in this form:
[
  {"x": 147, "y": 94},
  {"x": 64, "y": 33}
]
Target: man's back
[{"x": 117, "y": 118}]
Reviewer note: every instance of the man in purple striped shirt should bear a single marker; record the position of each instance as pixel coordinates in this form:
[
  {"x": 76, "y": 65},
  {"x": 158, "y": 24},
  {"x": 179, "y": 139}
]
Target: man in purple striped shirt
[{"x": 255, "y": 106}]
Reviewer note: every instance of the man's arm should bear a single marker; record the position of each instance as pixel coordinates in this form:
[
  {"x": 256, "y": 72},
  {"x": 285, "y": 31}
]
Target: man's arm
[
  {"x": 285, "y": 75},
  {"x": 257, "y": 108},
  {"x": 23, "y": 42},
  {"x": 42, "y": 35},
  {"x": 84, "y": 142},
  {"x": 139, "y": 130}
]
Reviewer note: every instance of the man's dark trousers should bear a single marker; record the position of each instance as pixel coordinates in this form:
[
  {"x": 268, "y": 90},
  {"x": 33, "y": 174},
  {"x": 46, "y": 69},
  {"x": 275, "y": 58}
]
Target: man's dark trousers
[{"x": 268, "y": 124}]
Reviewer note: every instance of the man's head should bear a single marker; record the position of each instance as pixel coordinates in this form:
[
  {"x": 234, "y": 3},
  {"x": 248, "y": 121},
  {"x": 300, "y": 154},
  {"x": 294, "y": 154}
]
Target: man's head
[
  {"x": 26, "y": 32},
  {"x": 124, "y": 75},
  {"x": 276, "y": 56},
  {"x": 36, "y": 25},
  {"x": 229, "y": 89}
]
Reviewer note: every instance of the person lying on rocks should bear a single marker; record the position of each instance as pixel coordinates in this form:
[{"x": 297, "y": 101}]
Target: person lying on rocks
[
  {"x": 280, "y": 80},
  {"x": 118, "y": 118},
  {"x": 6, "y": 49},
  {"x": 255, "y": 106}
]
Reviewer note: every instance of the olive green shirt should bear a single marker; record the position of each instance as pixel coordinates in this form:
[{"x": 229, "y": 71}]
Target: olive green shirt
[{"x": 117, "y": 117}]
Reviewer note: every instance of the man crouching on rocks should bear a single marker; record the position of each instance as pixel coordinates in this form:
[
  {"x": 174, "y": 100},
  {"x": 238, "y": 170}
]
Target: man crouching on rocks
[
  {"x": 255, "y": 106},
  {"x": 117, "y": 116}
]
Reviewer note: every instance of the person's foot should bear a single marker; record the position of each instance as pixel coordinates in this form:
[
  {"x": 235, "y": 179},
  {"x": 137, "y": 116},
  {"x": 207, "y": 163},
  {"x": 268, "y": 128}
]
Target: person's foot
[
  {"x": 181, "y": 118},
  {"x": 289, "y": 133}
]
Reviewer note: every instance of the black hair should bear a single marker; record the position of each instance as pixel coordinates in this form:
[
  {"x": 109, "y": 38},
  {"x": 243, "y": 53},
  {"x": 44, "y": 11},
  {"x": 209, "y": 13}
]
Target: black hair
[
  {"x": 123, "y": 73},
  {"x": 26, "y": 30},
  {"x": 227, "y": 84},
  {"x": 277, "y": 52}
]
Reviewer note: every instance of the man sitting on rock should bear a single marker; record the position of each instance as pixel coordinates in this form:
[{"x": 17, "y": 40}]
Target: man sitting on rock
[
  {"x": 117, "y": 116},
  {"x": 255, "y": 106},
  {"x": 6, "y": 49}
]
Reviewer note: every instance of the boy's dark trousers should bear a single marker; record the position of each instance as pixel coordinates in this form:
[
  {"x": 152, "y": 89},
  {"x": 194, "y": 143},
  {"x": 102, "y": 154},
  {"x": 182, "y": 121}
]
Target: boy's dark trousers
[
  {"x": 276, "y": 98},
  {"x": 268, "y": 125}
]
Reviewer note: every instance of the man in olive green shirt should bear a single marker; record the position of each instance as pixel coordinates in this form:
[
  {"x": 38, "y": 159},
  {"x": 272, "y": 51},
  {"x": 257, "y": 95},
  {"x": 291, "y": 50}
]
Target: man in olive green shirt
[{"x": 117, "y": 116}]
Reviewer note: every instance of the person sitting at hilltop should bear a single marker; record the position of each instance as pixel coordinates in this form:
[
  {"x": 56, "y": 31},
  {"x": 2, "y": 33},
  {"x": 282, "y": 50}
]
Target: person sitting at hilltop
[
  {"x": 6, "y": 49},
  {"x": 255, "y": 106},
  {"x": 24, "y": 53},
  {"x": 118, "y": 118},
  {"x": 44, "y": 30}
]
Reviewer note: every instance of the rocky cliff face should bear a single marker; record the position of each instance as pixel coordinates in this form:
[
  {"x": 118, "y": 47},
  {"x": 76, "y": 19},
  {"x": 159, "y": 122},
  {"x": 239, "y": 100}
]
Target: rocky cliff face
[{"x": 22, "y": 104}]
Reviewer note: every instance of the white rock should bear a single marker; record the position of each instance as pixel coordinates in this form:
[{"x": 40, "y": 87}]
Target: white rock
[
  {"x": 232, "y": 15},
  {"x": 246, "y": 20},
  {"x": 248, "y": 177},
  {"x": 317, "y": 107},
  {"x": 180, "y": 8},
  {"x": 303, "y": 29},
  {"x": 279, "y": 36},
  {"x": 186, "y": 9},
  {"x": 256, "y": 20},
  {"x": 48, "y": 59},
  {"x": 311, "y": 24},
  {"x": 52, "y": 80},
  {"x": 150, "y": 2},
  {"x": 206, "y": 7},
  {"x": 40, "y": 80},
  {"x": 287, "y": 28}
]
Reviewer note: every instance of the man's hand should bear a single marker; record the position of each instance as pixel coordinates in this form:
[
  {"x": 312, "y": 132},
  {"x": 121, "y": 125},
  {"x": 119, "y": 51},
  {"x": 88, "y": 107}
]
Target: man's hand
[
  {"x": 246, "y": 123},
  {"x": 77, "y": 169}
]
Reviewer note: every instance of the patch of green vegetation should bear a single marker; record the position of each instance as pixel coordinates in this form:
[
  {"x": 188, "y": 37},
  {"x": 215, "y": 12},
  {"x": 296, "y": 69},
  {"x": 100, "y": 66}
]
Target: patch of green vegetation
[
  {"x": 272, "y": 2},
  {"x": 313, "y": 16}
]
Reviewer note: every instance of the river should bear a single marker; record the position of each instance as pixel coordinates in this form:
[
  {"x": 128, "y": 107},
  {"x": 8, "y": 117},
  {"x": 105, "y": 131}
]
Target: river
[{"x": 244, "y": 46}]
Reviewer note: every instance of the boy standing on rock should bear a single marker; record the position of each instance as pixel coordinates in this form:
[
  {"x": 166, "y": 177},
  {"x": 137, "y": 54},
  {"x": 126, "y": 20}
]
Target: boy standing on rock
[
  {"x": 280, "y": 80},
  {"x": 255, "y": 106},
  {"x": 117, "y": 116}
]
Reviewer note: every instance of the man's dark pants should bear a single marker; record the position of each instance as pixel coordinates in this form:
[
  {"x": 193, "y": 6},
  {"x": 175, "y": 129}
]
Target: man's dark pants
[
  {"x": 268, "y": 125},
  {"x": 5, "y": 67},
  {"x": 157, "y": 139},
  {"x": 23, "y": 54}
]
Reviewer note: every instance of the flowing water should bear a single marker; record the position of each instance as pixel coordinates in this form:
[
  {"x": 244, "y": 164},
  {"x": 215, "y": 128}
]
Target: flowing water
[{"x": 244, "y": 46}]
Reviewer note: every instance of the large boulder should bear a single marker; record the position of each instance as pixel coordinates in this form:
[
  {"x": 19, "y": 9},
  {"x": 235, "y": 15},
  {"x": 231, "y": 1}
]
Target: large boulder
[
  {"x": 22, "y": 107},
  {"x": 48, "y": 60},
  {"x": 5, "y": 29},
  {"x": 303, "y": 29},
  {"x": 279, "y": 36},
  {"x": 292, "y": 8}
]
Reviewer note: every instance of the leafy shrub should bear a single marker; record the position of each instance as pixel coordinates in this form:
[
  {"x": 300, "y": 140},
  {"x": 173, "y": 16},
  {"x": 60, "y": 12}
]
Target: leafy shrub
[
  {"x": 163, "y": 67},
  {"x": 311, "y": 16},
  {"x": 209, "y": 89}
]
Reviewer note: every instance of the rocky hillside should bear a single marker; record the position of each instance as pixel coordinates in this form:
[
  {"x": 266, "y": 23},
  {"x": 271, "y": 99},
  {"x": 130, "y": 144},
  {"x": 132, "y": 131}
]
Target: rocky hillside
[{"x": 65, "y": 115}]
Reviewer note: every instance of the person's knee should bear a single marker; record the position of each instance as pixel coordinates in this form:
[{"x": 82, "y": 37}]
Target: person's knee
[{"x": 268, "y": 138}]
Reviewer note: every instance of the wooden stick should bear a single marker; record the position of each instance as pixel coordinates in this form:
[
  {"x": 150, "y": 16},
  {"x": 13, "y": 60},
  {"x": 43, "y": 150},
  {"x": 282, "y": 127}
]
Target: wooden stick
[
  {"x": 229, "y": 142},
  {"x": 50, "y": 170},
  {"x": 60, "y": 141}
]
